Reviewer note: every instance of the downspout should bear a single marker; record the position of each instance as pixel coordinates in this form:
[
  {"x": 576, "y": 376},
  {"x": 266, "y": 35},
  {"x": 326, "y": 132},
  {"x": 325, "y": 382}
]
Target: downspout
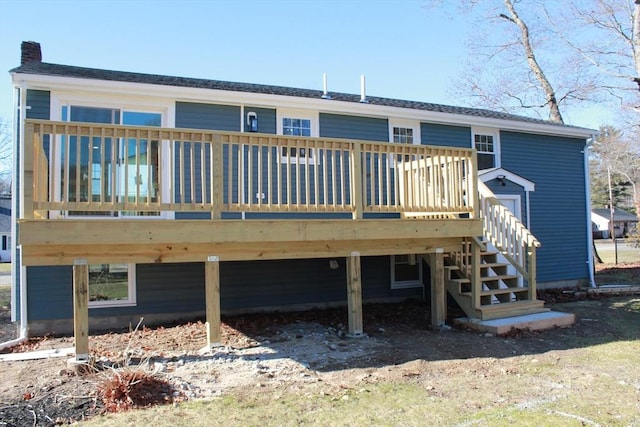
[
  {"x": 17, "y": 211},
  {"x": 587, "y": 185}
]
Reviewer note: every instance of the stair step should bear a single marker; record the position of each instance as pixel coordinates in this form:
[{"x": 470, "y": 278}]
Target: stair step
[
  {"x": 510, "y": 309},
  {"x": 484, "y": 279},
  {"x": 493, "y": 265},
  {"x": 502, "y": 277},
  {"x": 502, "y": 291}
]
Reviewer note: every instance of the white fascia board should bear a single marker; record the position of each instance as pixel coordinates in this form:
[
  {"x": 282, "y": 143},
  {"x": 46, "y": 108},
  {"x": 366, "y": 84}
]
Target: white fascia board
[
  {"x": 490, "y": 174},
  {"x": 46, "y": 82}
]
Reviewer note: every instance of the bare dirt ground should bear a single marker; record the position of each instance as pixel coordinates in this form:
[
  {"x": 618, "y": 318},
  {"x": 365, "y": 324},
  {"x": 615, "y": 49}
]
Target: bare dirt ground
[{"x": 282, "y": 351}]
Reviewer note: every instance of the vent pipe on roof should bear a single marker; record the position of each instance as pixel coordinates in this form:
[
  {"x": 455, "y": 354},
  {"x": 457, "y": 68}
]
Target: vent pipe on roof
[
  {"x": 325, "y": 94},
  {"x": 31, "y": 52},
  {"x": 363, "y": 92}
]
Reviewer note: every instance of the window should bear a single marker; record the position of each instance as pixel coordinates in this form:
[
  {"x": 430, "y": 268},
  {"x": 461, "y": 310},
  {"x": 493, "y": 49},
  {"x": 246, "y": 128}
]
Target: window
[
  {"x": 403, "y": 132},
  {"x": 133, "y": 175},
  {"x": 403, "y": 135},
  {"x": 406, "y": 272},
  {"x": 297, "y": 123},
  {"x": 112, "y": 285},
  {"x": 485, "y": 141},
  {"x": 296, "y": 127}
]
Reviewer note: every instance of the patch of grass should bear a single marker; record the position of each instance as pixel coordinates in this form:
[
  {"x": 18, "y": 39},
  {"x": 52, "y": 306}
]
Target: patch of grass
[
  {"x": 592, "y": 378},
  {"x": 628, "y": 255}
]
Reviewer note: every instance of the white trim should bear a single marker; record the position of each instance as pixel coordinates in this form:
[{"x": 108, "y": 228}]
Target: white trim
[
  {"x": 587, "y": 185},
  {"x": 129, "y": 302},
  {"x": 395, "y": 122},
  {"x": 314, "y": 119},
  {"x": 490, "y": 174},
  {"x": 406, "y": 284},
  {"x": 166, "y": 109},
  {"x": 268, "y": 100},
  {"x": 495, "y": 134}
]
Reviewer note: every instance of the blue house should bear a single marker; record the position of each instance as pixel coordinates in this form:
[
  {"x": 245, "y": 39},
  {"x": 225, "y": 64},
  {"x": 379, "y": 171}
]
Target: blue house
[{"x": 172, "y": 197}]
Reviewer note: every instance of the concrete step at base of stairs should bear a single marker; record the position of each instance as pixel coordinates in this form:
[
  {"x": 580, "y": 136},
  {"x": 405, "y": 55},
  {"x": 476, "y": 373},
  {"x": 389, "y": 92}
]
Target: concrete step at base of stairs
[{"x": 533, "y": 322}]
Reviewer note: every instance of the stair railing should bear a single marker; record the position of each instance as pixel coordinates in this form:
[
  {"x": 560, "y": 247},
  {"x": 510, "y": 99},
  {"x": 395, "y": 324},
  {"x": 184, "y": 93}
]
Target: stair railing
[{"x": 509, "y": 236}]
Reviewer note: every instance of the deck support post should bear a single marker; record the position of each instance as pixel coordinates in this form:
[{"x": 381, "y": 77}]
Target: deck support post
[
  {"x": 81, "y": 310},
  {"x": 476, "y": 279},
  {"x": 212, "y": 300},
  {"x": 354, "y": 295},
  {"x": 438, "y": 293},
  {"x": 532, "y": 294}
]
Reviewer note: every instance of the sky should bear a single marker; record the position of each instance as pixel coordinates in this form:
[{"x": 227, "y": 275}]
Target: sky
[{"x": 405, "y": 50}]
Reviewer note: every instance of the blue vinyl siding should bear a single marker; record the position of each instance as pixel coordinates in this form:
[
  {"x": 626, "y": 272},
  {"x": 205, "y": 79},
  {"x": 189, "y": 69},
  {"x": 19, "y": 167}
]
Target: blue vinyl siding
[
  {"x": 558, "y": 205},
  {"x": 39, "y": 103},
  {"x": 353, "y": 127},
  {"x": 266, "y": 119},
  {"x": 207, "y": 116},
  {"x": 201, "y": 116},
  {"x": 452, "y": 136},
  {"x": 179, "y": 287},
  {"x": 49, "y": 292}
]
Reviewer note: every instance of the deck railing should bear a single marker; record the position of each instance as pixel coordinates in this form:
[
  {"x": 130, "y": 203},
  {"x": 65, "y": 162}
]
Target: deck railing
[
  {"x": 82, "y": 168},
  {"x": 507, "y": 234}
]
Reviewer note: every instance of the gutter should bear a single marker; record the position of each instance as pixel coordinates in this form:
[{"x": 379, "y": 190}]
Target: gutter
[
  {"x": 18, "y": 209},
  {"x": 587, "y": 184}
]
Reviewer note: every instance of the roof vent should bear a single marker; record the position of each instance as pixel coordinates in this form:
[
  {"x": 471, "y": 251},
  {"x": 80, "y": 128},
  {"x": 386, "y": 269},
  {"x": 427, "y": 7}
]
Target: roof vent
[
  {"x": 363, "y": 91},
  {"x": 325, "y": 94},
  {"x": 31, "y": 52}
]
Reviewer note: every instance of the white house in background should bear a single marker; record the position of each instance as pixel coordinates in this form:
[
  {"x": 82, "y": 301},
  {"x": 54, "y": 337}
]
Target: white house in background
[
  {"x": 5, "y": 229},
  {"x": 623, "y": 222}
]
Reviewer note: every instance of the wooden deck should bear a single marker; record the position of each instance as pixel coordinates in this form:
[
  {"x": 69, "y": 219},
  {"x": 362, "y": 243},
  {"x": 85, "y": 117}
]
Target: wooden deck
[{"x": 98, "y": 194}]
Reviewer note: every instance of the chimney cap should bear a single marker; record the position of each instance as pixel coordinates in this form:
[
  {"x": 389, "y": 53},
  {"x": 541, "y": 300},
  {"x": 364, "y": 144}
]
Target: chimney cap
[{"x": 31, "y": 52}]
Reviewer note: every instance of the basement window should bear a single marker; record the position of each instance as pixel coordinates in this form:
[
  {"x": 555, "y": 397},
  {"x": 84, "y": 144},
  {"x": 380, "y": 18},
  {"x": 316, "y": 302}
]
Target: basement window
[
  {"x": 112, "y": 285},
  {"x": 406, "y": 272}
]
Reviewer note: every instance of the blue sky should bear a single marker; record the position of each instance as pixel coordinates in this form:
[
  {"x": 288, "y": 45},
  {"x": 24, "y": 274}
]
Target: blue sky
[{"x": 406, "y": 50}]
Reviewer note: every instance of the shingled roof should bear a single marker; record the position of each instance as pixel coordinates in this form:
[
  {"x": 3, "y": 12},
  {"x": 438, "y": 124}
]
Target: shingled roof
[{"x": 43, "y": 68}]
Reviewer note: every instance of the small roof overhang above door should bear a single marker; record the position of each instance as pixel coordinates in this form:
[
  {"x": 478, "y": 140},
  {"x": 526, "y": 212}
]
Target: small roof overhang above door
[{"x": 490, "y": 174}]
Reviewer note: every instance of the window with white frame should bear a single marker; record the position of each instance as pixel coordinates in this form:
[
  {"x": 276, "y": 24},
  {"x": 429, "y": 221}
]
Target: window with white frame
[
  {"x": 112, "y": 285},
  {"x": 297, "y": 126},
  {"x": 403, "y": 131},
  {"x": 406, "y": 272},
  {"x": 133, "y": 174},
  {"x": 486, "y": 142},
  {"x": 402, "y": 135}
]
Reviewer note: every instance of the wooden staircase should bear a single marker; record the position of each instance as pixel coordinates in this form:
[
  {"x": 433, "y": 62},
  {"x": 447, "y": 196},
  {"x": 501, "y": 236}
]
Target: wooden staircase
[
  {"x": 494, "y": 276},
  {"x": 501, "y": 293}
]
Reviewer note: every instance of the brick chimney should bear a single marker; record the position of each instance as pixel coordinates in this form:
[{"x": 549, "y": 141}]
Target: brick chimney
[{"x": 30, "y": 52}]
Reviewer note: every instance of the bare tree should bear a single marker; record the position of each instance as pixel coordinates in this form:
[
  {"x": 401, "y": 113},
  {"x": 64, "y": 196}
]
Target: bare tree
[
  {"x": 517, "y": 64},
  {"x": 606, "y": 36},
  {"x": 542, "y": 56},
  {"x": 534, "y": 65},
  {"x": 620, "y": 153},
  {"x": 6, "y": 157}
]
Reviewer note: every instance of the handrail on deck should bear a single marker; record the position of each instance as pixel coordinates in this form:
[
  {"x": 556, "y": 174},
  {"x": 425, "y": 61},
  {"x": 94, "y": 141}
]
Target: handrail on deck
[
  {"x": 507, "y": 234},
  {"x": 99, "y": 168}
]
